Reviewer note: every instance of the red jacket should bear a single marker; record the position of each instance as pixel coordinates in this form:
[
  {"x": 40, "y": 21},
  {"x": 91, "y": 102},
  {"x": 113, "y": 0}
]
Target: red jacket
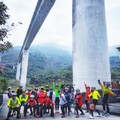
[
  {"x": 78, "y": 99},
  {"x": 41, "y": 97},
  {"x": 32, "y": 102},
  {"x": 28, "y": 93},
  {"x": 47, "y": 101},
  {"x": 87, "y": 93}
]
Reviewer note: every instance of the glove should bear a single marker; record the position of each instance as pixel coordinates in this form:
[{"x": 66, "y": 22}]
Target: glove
[
  {"x": 25, "y": 103},
  {"x": 8, "y": 106},
  {"x": 99, "y": 81}
]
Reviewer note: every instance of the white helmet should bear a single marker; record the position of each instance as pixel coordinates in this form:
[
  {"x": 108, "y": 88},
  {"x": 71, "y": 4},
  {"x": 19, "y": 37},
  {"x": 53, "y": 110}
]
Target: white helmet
[
  {"x": 14, "y": 94},
  {"x": 32, "y": 96}
]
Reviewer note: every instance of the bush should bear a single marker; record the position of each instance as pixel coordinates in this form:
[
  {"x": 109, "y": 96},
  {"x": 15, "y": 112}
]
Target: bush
[{"x": 3, "y": 84}]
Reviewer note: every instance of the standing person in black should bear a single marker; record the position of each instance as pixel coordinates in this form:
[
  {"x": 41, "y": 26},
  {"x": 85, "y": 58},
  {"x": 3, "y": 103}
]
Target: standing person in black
[
  {"x": 19, "y": 91},
  {"x": 67, "y": 97}
]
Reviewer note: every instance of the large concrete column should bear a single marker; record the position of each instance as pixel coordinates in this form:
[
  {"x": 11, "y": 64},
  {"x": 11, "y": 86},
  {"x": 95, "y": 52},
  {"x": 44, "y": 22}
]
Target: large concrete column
[
  {"x": 90, "y": 46},
  {"x": 18, "y": 71},
  {"x": 23, "y": 80}
]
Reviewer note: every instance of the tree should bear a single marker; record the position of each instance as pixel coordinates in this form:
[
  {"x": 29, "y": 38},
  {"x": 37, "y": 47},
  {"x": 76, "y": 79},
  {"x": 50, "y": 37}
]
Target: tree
[
  {"x": 3, "y": 84},
  {"x": 4, "y": 45}
]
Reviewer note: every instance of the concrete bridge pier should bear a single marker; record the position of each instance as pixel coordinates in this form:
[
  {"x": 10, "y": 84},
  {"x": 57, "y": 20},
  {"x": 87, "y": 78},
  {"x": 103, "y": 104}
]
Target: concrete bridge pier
[
  {"x": 24, "y": 66},
  {"x": 90, "y": 46},
  {"x": 18, "y": 71}
]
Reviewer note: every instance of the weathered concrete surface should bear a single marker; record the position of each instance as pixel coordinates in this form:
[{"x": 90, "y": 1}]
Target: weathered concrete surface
[
  {"x": 24, "y": 68},
  {"x": 90, "y": 46}
]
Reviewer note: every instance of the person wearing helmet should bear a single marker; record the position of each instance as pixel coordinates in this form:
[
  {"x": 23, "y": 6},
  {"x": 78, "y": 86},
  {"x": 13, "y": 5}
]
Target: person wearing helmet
[
  {"x": 40, "y": 99},
  {"x": 9, "y": 92},
  {"x": 13, "y": 105},
  {"x": 32, "y": 104},
  {"x": 23, "y": 99},
  {"x": 57, "y": 87},
  {"x": 47, "y": 104},
  {"x": 87, "y": 98},
  {"x": 63, "y": 103},
  {"x": 78, "y": 103},
  {"x": 106, "y": 92},
  {"x": 67, "y": 97},
  {"x": 95, "y": 97}
]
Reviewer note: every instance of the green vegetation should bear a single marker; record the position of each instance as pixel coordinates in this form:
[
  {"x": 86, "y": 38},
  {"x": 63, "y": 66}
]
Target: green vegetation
[
  {"x": 4, "y": 45},
  {"x": 47, "y": 63},
  {"x": 3, "y": 84}
]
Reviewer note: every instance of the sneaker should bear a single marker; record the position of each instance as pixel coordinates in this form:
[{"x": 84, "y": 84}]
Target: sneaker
[
  {"x": 62, "y": 116},
  {"x": 104, "y": 112},
  {"x": 31, "y": 113},
  {"x": 82, "y": 114},
  {"x": 68, "y": 114},
  {"x": 51, "y": 115},
  {"x": 91, "y": 117},
  {"x": 107, "y": 114},
  {"x": 77, "y": 116},
  {"x": 57, "y": 112},
  {"x": 24, "y": 117},
  {"x": 98, "y": 115}
]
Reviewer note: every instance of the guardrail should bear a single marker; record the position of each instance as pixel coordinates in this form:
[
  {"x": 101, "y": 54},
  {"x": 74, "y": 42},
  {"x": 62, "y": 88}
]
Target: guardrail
[{"x": 1, "y": 100}]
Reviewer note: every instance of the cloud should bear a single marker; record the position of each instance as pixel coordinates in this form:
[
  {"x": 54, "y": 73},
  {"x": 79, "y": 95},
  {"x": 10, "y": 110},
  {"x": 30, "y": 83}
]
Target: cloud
[{"x": 57, "y": 27}]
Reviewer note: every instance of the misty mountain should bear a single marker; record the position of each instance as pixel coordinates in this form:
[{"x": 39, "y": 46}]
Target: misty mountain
[{"x": 49, "y": 57}]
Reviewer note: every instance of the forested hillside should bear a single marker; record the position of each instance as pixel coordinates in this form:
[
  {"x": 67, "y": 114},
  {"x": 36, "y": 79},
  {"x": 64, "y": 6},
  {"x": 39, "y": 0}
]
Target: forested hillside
[{"x": 47, "y": 62}]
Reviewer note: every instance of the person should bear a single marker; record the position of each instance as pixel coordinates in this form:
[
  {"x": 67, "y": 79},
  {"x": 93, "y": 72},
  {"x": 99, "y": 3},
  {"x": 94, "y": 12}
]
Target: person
[
  {"x": 9, "y": 92},
  {"x": 40, "y": 99},
  {"x": 63, "y": 103},
  {"x": 19, "y": 91},
  {"x": 78, "y": 102},
  {"x": 56, "y": 88},
  {"x": 32, "y": 104},
  {"x": 23, "y": 99},
  {"x": 52, "y": 95},
  {"x": 95, "y": 97},
  {"x": 72, "y": 96},
  {"x": 67, "y": 97},
  {"x": 47, "y": 89},
  {"x": 13, "y": 105},
  {"x": 87, "y": 98},
  {"x": 28, "y": 92},
  {"x": 47, "y": 104},
  {"x": 106, "y": 92}
]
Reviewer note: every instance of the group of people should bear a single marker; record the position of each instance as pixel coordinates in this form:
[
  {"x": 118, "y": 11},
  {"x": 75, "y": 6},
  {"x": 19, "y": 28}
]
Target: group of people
[{"x": 48, "y": 100}]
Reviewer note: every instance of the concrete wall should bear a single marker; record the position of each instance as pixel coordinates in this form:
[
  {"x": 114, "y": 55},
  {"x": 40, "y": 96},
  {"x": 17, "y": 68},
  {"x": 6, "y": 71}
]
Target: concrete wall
[{"x": 90, "y": 46}]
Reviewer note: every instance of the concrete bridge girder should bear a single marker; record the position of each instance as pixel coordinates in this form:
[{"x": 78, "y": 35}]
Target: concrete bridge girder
[{"x": 42, "y": 9}]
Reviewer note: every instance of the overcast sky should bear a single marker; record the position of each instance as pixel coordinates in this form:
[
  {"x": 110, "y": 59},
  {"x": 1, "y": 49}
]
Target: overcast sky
[{"x": 57, "y": 28}]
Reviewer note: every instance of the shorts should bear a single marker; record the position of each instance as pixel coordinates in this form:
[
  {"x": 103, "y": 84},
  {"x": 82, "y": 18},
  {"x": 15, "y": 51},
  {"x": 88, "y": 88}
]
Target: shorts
[{"x": 95, "y": 101}]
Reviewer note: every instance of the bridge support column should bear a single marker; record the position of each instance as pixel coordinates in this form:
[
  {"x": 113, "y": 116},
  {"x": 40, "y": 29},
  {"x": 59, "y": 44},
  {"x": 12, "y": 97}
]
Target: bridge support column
[
  {"x": 18, "y": 71},
  {"x": 23, "y": 80},
  {"x": 90, "y": 46}
]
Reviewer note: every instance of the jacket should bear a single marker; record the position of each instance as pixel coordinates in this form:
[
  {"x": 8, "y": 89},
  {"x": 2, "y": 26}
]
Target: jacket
[
  {"x": 13, "y": 103},
  {"x": 78, "y": 99}
]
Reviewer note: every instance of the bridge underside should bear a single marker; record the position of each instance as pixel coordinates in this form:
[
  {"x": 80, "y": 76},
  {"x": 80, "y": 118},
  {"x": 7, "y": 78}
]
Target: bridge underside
[{"x": 42, "y": 9}]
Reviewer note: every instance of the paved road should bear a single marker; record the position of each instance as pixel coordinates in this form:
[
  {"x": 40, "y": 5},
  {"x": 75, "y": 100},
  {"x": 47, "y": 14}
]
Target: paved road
[{"x": 4, "y": 110}]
